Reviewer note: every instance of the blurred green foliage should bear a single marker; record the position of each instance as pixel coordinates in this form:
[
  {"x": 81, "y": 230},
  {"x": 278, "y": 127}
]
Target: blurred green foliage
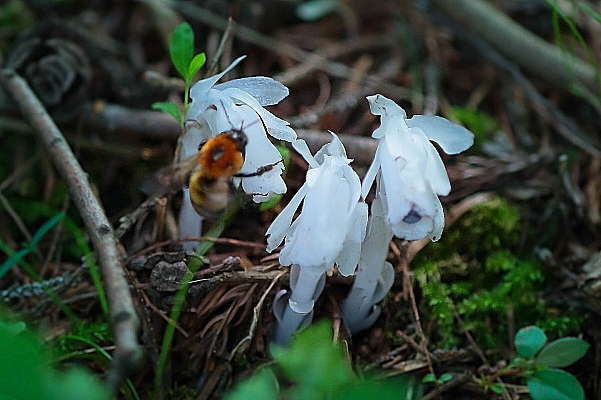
[
  {"x": 314, "y": 368},
  {"x": 27, "y": 374}
]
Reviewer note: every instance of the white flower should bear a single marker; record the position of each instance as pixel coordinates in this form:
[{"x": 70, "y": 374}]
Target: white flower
[
  {"x": 332, "y": 223},
  {"x": 411, "y": 173},
  {"x": 238, "y": 104}
]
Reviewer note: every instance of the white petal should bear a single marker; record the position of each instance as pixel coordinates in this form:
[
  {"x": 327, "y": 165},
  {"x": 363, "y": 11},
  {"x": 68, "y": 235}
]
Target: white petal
[
  {"x": 402, "y": 166},
  {"x": 322, "y": 225},
  {"x": 436, "y": 173},
  {"x": 452, "y": 138},
  {"x": 201, "y": 88},
  {"x": 430, "y": 224},
  {"x": 195, "y": 132},
  {"x": 210, "y": 108},
  {"x": 266, "y": 90},
  {"x": 302, "y": 148},
  {"x": 276, "y": 127},
  {"x": 334, "y": 148},
  {"x": 371, "y": 173},
  {"x": 415, "y": 231},
  {"x": 280, "y": 226},
  {"x": 380, "y": 105},
  {"x": 438, "y": 224},
  {"x": 348, "y": 258}
]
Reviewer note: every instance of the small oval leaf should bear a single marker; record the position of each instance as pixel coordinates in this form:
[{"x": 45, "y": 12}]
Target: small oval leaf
[
  {"x": 555, "y": 384},
  {"x": 529, "y": 340},
  {"x": 181, "y": 48},
  {"x": 498, "y": 388},
  {"x": 195, "y": 65},
  {"x": 562, "y": 352},
  {"x": 169, "y": 108}
]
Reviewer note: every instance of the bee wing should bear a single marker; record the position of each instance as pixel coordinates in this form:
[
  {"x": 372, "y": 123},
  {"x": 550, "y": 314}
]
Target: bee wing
[{"x": 172, "y": 178}]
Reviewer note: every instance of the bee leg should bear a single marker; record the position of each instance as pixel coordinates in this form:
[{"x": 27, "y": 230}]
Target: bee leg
[{"x": 260, "y": 171}]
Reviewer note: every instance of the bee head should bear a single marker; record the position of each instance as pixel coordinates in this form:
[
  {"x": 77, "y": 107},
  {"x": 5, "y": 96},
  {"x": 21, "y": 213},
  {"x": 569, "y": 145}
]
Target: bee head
[{"x": 240, "y": 138}]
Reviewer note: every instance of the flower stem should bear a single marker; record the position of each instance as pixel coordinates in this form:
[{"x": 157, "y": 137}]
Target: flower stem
[
  {"x": 306, "y": 286},
  {"x": 372, "y": 280}
]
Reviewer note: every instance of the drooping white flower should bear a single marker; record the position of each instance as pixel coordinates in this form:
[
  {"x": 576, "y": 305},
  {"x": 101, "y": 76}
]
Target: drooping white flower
[
  {"x": 412, "y": 174},
  {"x": 238, "y": 104},
  {"x": 328, "y": 231},
  {"x": 332, "y": 222}
]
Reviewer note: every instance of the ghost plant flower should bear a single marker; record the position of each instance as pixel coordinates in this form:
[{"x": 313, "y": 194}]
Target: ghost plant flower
[
  {"x": 238, "y": 104},
  {"x": 328, "y": 231},
  {"x": 410, "y": 176}
]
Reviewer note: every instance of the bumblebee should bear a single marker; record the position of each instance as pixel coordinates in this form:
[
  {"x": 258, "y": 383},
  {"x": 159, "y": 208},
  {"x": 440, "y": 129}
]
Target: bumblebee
[{"x": 208, "y": 174}]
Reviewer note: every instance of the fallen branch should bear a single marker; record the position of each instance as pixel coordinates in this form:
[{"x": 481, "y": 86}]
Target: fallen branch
[
  {"x": 123, "y": 318},
  {"x": 535, "y": 55}
]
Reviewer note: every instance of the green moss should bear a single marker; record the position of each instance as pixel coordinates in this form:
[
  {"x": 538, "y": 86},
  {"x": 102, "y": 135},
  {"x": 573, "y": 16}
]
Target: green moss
[{"x": 477, "y": 272}]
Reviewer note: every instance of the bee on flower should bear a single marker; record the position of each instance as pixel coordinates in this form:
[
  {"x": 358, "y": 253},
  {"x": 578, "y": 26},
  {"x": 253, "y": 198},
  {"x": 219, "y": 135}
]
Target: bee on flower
[{"x": 238, "y": 105}]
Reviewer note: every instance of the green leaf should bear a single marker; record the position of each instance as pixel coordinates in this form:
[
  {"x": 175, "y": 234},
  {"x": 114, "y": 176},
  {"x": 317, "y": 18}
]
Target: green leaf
[
  {"x": 386, "y": 389},
  {"x": 529, "y": 340},
  {"x": 45, "y": 228},
  {"x": 195, "y": 65},
  {"x": 497, "y": 388},
  {"x": 314, "y": 360},
  {"x": 555, "y": 384},
  {"x": 170, "y": 108},
  {"x": 262, "y": 385},
  {"x": 271, "y": 203},
  {"x": 590, "y": 12},
  {"x": 26, "y": 373},
  {"x": 29, "y": 247},
  {"x": 181, "y": 48},
  {"x": 562, "y": 352}
]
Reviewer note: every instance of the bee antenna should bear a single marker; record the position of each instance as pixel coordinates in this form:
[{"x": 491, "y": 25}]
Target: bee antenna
[{"x": 227, "y": 115}]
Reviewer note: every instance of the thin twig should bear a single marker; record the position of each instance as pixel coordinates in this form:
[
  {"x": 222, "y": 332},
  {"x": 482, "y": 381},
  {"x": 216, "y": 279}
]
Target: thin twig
[
  {"x": 529, "y": 51},
  {"x": 242, "y": 345},
  {"x": 248, "y": 35},
  {"x": 123, "y": 318},
  {"x": 404, "y": 262},
  {"x": 550, "y": 63},
  {"x": 456, "y": 381}
]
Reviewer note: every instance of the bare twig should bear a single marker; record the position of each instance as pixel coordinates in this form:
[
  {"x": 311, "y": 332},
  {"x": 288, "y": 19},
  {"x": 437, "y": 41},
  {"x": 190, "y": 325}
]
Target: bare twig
[
  {"x": 116, "y": 118},
  {"x": 123, "y": 318},
  {"x": 456, "y": 381},
  {"x": 331, "y": 67},
  {"x": 531, "y": 52},
  {"x": 550, "y": 63},
  {"x": 127, "y": 221},
  {"x": 244, "y": 343},
  {"x": 155, "y": 124}
]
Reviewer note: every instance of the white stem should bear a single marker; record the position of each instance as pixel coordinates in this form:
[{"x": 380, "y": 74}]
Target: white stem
[
  {"x": 359, "y": 308},
  {"x": 306, "y": 286},
  {"x": 190, "y": 223}
]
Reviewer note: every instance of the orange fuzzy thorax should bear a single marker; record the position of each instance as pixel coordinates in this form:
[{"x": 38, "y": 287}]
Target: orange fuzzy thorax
[{"x": 220, "y": 157}]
